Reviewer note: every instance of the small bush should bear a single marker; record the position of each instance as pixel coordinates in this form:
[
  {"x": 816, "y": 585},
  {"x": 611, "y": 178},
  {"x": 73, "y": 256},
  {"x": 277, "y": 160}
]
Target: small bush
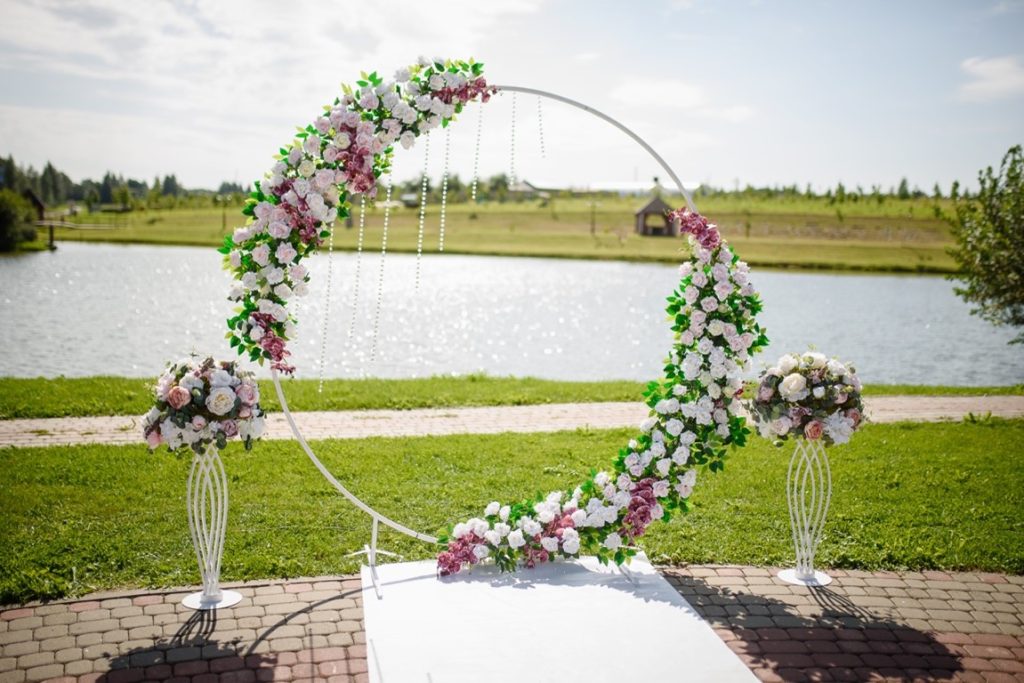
[{"x": 15, "y": 217}]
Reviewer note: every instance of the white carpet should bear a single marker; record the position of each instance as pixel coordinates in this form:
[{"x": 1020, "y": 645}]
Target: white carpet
[{"x": 561, "y": 622}]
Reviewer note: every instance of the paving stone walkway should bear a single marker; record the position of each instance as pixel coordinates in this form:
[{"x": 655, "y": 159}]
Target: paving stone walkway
[
  {"x": 358, "y": 424},
  {"x": 907, "y": 626}
]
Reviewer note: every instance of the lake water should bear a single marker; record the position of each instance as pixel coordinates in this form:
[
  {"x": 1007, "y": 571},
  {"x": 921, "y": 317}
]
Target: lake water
[{"x": 90, "y": 309}]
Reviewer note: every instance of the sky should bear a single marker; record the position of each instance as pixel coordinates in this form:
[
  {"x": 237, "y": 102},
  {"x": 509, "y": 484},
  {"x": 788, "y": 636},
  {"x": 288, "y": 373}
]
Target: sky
[{"x": 728, "y": 93}]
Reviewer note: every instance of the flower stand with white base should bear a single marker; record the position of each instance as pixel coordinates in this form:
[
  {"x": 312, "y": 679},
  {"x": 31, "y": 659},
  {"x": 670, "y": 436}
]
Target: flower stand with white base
[
  {"x": 808, "y": 492},
  {"x": 207, "y": 519}
]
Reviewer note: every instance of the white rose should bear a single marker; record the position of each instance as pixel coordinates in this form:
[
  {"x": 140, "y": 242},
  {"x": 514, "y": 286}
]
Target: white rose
[
  {"x": 787, "y": 364},
  {"x": 220, "y": 401},
  {"x": 571, "y": 546},
  {"x": 481, "y": 551},
  {"x": 549, "y": 543},
  {"x": 492, "y": 509},
  {"x": 793, "y": 387},
  {"x": 613, "y": 541},
  {"x": 515, "y": 539},
  {"x": 503, "y": 513},
  {"x": 815, "y": 360}
]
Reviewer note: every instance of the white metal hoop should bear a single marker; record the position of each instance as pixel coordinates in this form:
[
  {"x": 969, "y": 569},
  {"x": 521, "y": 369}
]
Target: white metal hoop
[
  {"x": 601, "y": 115},
  {"x": 371, "y": 551}
]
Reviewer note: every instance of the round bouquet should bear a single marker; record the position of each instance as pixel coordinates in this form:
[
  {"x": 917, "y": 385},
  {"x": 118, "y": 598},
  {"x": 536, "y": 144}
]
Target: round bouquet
[
  {"x": 808, "y": 395},
  {"x": 203, "y": 403}
]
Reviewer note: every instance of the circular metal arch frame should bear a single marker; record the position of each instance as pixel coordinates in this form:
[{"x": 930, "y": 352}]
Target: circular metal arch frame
[{"x": 377, "y": 517}]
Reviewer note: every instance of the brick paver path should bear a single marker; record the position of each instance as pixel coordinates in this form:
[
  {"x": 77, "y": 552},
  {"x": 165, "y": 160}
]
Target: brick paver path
[
  {"x": 865, "y": 626},
  {"x": 358, "y": 424}
]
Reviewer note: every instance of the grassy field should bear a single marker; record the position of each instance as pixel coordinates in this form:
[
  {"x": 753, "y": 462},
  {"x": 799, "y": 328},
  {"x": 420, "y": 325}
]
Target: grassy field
[
  {"x": 797, "y": 233},
  {"x": 77, "y": 519},
  {"x": 23, "y": 398}
]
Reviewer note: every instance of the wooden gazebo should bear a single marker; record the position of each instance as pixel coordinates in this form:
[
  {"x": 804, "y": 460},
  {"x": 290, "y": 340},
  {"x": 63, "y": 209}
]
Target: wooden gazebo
[{"x": 661, "y": 225}]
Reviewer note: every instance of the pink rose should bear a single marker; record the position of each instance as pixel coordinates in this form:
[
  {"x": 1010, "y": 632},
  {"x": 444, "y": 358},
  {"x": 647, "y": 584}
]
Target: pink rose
[
  {"x": 198, "y": 422},
  {"x": 244, "y": 412},
  {"x": 841, "y": 398},
  {"x": 765, "y": 393},
  {"x": 154, "y": 439},
  {"x": 229, "y": 427},
  {"x": 814, "y": 429},
  {"x": 246, "y": 393},
  {"x": 178, "y": 397},
  {"x": 854, "y": 415}
]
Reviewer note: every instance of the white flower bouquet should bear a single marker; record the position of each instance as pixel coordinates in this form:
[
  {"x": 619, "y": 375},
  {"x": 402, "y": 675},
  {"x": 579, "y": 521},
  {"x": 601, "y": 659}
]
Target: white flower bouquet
[
  {"x": 203, "y": 403},
  {"x": 808, "y": 395}
]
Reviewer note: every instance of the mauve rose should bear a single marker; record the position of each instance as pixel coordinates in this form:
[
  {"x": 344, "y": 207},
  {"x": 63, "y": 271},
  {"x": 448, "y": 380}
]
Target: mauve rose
[
  {"x": 854, "y": 415},
  {"x": 178, "y": 397},
  {"x": 198, "y": 422},
  {"x": 244, "y": 412},
  {"x": 814, "y": 429},
  {"x": 246, "y": 393},
  {"x": 765, "y": 393},
  {"x": 229, "y": 427},
  {"x": 154, "y": 439},
  {"x": 841, "y": 398}
]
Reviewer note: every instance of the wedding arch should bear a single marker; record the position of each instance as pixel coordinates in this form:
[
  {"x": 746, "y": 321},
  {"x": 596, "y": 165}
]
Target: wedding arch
[{"x": 694, "y": 408}]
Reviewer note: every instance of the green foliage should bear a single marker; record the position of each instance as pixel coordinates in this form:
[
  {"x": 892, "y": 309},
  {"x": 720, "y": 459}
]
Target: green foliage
[
  {"x": 989, "y": 231},
  {"x": 15, "y": 217},
  {"x": 906, "y": 496}
]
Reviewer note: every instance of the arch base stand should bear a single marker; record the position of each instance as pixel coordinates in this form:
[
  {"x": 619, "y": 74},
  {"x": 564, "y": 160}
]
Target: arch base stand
[
  {"x": 202, "y": 602},
  {"x": 818, "y": 578}
]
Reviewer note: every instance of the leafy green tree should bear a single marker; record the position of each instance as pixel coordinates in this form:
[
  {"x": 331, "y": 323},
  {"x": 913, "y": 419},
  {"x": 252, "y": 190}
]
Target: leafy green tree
[
  {"x": 15, "y": 217},
  {"x": 989, "y": 232},
  {"x": 904, "y": 190}
]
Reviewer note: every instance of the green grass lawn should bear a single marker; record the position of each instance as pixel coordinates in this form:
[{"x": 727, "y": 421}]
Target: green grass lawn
[
  {"x": 796, "y": 233},
  {"x": 78, "y": 519},
  {"x": 23, "y": 398}
]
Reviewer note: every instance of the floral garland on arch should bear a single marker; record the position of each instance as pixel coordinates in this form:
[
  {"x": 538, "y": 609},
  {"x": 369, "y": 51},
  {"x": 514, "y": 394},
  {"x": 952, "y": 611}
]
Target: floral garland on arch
[
  {"x": 693, "y": 419},
  {"x": 342, "y": 153}
]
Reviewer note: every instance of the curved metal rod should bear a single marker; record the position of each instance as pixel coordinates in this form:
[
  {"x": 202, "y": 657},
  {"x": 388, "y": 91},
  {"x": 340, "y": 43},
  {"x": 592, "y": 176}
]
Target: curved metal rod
[
  {"x": 627, "y": 131},
  {"x": 330, "y": 477}
]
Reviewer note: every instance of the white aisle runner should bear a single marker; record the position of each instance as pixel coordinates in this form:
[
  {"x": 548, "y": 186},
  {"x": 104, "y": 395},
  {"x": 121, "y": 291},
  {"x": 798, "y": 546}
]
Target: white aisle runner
[{"x": 561, "y": 622}]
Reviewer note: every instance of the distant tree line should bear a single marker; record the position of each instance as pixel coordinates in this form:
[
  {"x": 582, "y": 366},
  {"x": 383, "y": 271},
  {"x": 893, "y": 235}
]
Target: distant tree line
[{"x": 54, "y": 187}]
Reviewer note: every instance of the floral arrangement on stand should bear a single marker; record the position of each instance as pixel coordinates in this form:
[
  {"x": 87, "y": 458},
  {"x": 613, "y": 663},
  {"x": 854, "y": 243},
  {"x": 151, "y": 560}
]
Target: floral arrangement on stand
[
  {"x": 200, "y": 405},
  {"x": 693, "y": 420},
  {"x": 203, "y": 403},
  {"x": 808, "y": 395},
  {"x": 341, "y": 153}
]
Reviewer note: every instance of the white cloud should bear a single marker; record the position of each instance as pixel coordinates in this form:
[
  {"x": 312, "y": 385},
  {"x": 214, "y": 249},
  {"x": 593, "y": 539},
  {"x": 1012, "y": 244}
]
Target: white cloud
[
  {"x": 736, "y": 113},
  {"x": 660, "y": 93},
  {"x": 993, "y": 78},
  {"x": 586, "y": 57}
]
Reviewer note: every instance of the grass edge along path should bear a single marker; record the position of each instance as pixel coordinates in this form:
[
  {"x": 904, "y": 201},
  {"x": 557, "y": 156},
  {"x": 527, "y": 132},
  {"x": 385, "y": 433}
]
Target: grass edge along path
[
  {"x": 906, "y": 496},
  {"x": 94, "y": 396}
]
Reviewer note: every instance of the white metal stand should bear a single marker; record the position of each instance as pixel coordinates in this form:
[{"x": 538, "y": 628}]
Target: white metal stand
[
  {"x": 371, "y": 551},
  {"x": 808, "y": 492},
  {"x": 207, "y": 519}
]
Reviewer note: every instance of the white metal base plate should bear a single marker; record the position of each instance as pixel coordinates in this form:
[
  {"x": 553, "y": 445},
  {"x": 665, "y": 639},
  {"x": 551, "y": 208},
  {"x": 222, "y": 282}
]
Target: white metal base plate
[
  {"x": 227, "y": 599},
  {"x": 819, "y": 578},
  {"x": 563, "y": 621}
]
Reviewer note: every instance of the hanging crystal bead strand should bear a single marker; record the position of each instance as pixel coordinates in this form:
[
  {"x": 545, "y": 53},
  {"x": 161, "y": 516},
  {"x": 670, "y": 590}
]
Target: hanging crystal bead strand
[
  {"x": 540, "y": 128},
  {"x": 476, "y": 152},
  {"x": 444, "y": 187},
  {"x": 359, "y": 261},
  {"x": 380, "y": 274},
  {"x": 327, "y": 309},
  {"x": 423, "y": 209},
  {"x": 512, "y": 154}
]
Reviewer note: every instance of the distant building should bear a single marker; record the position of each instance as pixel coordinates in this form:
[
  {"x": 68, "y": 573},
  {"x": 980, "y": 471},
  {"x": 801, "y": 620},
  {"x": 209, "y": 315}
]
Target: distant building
[
  {"x": 652, "y": 219},
  {"x": 527, "y": 190},
  {"x": 410, "y": 200},
  {"x": 36, "y": 202}
]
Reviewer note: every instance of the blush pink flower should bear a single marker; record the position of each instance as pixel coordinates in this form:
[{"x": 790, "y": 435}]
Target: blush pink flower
[
  {"x": 814, "y": 429},
  {"x": 178, "y": 397},
  {"x": 153, "y": 438},
  {"x": 246, "y": 393}
]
